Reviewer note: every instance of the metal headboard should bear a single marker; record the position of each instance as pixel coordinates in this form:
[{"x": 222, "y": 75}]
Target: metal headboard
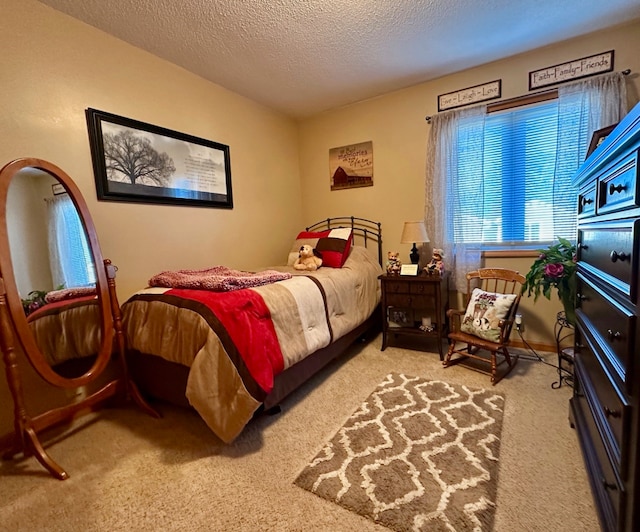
[{"x": 367, "y": 230}]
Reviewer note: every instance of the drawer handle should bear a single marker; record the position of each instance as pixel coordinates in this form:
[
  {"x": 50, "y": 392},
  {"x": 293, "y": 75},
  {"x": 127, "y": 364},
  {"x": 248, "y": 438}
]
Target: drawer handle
[
  {"x": 611, "y": 413},
  {"x": 609, "y": 485},
  {"x": 585, "y": 247},
  {"x": 586, "y": 201},
  {"x": 615, "y": 256},
  {"x": 616, "y": 188},
  {"x": 582, "y": 297},
  {"x": 614, "y": 335}
]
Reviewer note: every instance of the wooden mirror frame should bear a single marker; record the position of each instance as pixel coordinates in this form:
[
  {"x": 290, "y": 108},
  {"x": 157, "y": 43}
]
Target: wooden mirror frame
[
  {"x": 19, "y": 318},
  {"x": 14, "y": 325}
]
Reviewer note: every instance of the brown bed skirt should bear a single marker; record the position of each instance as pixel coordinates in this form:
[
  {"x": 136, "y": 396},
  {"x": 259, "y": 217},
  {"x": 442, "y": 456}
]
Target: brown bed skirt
[{"x": 167, "y": 381}]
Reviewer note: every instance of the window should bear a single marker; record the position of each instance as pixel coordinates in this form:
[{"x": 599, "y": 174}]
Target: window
[
  {"x": 500, "y": 176},
  {"x": 70, "y": 256},
  {"x": 514, "y": 164}
]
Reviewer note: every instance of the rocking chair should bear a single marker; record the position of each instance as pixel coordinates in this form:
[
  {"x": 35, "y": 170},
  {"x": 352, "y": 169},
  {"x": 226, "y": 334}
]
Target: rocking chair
[{"x": 481, "y": 331}]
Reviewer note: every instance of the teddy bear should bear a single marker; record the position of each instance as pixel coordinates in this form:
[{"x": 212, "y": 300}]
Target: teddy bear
[
  {"x": 308, "y": 259},
  {"x": 393, "y": 262},
  {"x": 436, "y": 265}
]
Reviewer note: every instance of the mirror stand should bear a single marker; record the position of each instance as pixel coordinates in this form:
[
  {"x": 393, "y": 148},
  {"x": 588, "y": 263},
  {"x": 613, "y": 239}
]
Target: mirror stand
[
  {"x": 25, "y": 436},
  {"x": 27, "y": 428},
  {"x": 130, "y": 388}
]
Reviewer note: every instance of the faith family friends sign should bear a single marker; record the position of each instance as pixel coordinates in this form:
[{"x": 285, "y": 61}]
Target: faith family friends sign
[{"x": 579, "y": 68}]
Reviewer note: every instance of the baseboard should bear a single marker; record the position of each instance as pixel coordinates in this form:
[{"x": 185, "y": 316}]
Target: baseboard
[{"x": 535, "y": 345}]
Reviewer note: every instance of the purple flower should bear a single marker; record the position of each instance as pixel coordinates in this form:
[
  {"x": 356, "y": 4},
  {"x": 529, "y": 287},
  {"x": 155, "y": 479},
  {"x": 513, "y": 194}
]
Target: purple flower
[
  {"x": 542, "y": 256},
  {"x": 33, "y": 306},
  {"x": 554, "y": 270}
]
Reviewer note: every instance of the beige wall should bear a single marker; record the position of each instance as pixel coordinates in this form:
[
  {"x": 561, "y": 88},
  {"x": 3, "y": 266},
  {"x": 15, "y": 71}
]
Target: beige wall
[
  {"x": 53, "y": 67},
  {"x": 396, "y": 125}
]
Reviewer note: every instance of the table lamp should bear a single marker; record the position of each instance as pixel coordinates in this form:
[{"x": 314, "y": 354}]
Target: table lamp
[{"x": 412, "y": 233}]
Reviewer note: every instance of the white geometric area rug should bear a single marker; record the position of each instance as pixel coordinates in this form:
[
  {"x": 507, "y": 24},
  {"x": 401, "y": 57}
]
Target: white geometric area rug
[{"x": 417, "y": 455}]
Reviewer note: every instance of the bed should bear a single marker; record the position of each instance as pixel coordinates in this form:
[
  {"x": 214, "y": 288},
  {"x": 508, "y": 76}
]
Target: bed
[
  {"x": 68, "y": 326},
  {"x": 230, "y": 345}
]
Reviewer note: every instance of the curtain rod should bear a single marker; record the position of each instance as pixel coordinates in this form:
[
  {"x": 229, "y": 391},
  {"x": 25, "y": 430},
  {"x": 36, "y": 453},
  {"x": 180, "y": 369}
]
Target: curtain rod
[{"x": 624, "y": 73}]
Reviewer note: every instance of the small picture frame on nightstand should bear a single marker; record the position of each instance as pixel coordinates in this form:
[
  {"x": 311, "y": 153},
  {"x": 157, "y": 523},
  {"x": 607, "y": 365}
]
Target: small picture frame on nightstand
[
  {"x": 409, "y": 269},
  {"x": 400, "y": 317}
]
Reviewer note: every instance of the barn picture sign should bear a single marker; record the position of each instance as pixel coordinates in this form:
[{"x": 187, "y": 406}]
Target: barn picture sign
[{"x": 351, "y": 166}]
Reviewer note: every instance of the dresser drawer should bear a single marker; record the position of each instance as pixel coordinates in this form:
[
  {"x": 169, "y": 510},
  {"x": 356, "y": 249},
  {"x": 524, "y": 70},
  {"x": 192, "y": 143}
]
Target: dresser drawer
[
  {"x": 607, "y": 250},
  {"x": 396, "y": 287},
  {"x": 423, "y": 288},
  {"x": 610, "y": 324},
  {"x": 587, "y": 202},
  {"x": 411, "y": 294},
  {"x": 398, "y": 300},
  {"x": 413, "y": 301},
  {"x": 618, "y": 189},
  {"x": 608, "y": 405},
  {"x": 607, "y": 487}
]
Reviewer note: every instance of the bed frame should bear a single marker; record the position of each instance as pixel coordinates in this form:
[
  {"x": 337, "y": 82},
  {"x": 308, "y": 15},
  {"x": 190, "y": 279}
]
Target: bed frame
[{"x": 167, "y": 381}]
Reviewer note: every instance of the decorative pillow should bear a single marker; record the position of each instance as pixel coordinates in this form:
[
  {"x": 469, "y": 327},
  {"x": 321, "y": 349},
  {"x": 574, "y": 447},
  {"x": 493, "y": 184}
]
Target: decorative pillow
[
  {"x": 484, "y": 312},
  {"x": 333, "y": 244}
]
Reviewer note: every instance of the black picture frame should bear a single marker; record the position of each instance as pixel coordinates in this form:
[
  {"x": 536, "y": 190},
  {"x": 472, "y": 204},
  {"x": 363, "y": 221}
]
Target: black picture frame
[
  {"x": 141, "y": 163},
  {"x": 598, "y": 138}
]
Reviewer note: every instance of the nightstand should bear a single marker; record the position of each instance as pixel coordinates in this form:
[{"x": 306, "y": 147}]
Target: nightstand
[{"x": 414, "y": 307}]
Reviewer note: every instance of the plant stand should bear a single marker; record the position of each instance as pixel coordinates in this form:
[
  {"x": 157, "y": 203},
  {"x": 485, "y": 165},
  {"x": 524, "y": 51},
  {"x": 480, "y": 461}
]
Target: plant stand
[{"x": 563, "y": 330}]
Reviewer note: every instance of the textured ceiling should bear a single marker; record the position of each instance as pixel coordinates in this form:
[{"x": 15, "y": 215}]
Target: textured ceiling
[{"x": 302, "y": 57}]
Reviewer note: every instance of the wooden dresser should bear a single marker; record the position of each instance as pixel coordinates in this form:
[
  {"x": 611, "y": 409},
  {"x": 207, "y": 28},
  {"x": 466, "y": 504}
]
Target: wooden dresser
[{"x": 605, "y": 407}]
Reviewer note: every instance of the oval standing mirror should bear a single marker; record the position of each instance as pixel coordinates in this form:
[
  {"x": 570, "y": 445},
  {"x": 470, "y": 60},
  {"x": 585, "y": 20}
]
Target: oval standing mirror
[{"x": 57, "y": 299}]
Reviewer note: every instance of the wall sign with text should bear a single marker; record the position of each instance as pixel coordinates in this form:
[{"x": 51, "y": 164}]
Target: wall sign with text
[
  {"x": 475, "y": 94},
  {"x": 579, "y": 68},
  {"x": 351, "y": 166}
]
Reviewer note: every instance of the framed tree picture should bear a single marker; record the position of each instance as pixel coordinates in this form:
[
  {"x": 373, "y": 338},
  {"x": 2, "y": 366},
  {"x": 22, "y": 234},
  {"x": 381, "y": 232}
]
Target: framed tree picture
[{"x": 138, "y": 162}]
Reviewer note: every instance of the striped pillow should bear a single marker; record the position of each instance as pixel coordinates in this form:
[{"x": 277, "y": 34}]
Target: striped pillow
[{"x": 333, "y": 244}]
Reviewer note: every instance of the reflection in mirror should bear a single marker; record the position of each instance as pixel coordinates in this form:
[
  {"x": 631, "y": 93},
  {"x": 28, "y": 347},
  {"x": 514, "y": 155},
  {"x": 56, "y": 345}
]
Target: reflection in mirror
[
  {"x": 58, "y": 304},
  {"x": 54, "y": 271}
]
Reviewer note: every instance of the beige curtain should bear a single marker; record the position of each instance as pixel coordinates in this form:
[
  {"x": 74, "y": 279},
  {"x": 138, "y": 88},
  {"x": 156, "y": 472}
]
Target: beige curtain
[{"x": 441, "y": 185}]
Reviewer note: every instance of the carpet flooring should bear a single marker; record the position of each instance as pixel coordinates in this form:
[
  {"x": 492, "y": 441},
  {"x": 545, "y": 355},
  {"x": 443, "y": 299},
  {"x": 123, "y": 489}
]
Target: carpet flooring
[
  {"x": 418, "y": 454},
  {"x": 129, "y": 471}
]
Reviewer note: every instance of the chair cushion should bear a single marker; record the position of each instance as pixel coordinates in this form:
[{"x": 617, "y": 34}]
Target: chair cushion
[{"x": 484, "y": 312}]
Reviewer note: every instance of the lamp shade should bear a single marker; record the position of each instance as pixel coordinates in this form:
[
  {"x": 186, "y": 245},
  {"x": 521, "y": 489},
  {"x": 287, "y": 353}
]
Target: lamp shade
[{"x": 414, "y": 232}]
